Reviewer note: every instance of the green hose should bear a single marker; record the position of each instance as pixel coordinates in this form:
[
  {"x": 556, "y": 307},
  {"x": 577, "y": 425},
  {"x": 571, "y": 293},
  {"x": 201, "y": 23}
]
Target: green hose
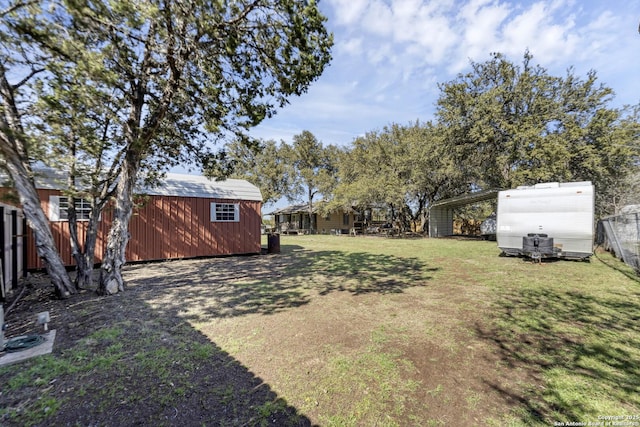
[{"x": 23, "y": 343}]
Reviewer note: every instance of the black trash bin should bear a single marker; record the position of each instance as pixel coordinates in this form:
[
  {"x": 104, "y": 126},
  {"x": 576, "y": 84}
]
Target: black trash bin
[{"x": 273, "y": 243}]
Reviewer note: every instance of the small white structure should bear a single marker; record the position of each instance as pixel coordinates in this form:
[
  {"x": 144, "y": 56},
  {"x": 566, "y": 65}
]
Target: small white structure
[{"x": 547, "y": 220}]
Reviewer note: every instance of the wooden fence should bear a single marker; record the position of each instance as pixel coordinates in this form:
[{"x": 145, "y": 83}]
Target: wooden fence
[{"x": 12, "y": 248}]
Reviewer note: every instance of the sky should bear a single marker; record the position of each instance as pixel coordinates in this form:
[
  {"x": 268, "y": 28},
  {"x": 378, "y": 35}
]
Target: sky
[{"x": 390, "y": 55}]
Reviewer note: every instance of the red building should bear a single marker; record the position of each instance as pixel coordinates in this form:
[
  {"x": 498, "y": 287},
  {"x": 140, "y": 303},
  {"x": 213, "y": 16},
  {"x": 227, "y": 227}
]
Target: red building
[{"x": 186, "y": 216}]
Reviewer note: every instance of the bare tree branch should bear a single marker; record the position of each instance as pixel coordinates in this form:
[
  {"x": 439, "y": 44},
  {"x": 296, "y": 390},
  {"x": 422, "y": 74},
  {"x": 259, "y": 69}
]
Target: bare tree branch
[{"x": 27, "y": 78}]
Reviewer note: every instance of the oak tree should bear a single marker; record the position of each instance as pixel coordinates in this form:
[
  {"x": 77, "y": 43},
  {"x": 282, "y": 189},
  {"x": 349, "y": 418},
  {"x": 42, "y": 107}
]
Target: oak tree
[
  {"x": 261, "y": 164},
  {"x": 311, "y": 170},
  {"x": 511, "y": 125},
  {"x": 403, "y": 167}
]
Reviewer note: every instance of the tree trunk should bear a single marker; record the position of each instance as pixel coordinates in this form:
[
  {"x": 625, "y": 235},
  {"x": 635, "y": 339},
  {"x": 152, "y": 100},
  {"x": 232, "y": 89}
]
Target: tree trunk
[
  {"x": 84, "y": 270},
  {"x": 85, "y": 275},
  {"x": 312, "y": 222},
  {"x": 14, "y": 151},
  {"x": 74, "y": 241},
  {"x": 84, "y": 256},
  {"x": 111, "y": 281},
  {"x": 39, "y": 223}
]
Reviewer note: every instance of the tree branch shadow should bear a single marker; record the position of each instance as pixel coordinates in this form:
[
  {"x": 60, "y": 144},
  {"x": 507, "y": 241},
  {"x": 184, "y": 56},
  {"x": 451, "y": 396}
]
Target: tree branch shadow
[
  {"x": 273, "y": 283},
  {"x": 123, "y": 361},
  {"x": 546, "y": 336}
]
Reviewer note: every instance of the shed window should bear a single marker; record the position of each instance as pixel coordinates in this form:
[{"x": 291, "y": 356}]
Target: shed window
[
  {"x": 59, "y": 205},
  {"x": 225, "y": 212}
]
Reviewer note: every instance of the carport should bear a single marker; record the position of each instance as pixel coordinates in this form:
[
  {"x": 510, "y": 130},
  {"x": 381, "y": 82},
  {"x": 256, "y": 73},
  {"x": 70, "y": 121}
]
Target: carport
[{"x": 441, "y": 212}]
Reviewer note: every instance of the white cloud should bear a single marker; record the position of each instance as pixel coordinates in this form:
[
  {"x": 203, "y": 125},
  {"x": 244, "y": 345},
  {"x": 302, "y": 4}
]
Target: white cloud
[
  {"x": 391, "y": 54},
  {"x": 378, "y": 19},
  {"x": 411, "y": 22},
  {"x": 536, "y": 30},
  {"x": 446, "y": 33},
  {"x": 348, "y": 12},
  {"x": 480, "y": 21},
  {"x": 600, "y": 37},
  {"x": 352, "y": 46}
]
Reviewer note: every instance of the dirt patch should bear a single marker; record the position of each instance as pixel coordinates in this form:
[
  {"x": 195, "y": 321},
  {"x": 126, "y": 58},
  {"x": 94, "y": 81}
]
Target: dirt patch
[
  {"x": 119, "y": 361},
  {"x": 295, "y": 339}
]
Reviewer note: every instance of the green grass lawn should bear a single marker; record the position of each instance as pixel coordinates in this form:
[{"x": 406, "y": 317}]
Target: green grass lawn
[
  {"x": 354, "y": 331},
  {"x": 565, "y": 335}
]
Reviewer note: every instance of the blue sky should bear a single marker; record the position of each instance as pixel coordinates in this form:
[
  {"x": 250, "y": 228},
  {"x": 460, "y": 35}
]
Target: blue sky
[{"x": 389, "y": 56}]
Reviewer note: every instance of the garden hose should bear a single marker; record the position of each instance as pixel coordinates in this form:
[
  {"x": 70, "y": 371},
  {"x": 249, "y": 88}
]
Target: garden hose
[{"x": 23, "y": 343}]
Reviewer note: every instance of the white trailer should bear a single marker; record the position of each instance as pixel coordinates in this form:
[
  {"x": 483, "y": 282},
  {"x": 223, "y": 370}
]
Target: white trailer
[{"x": 547, "y": 220}]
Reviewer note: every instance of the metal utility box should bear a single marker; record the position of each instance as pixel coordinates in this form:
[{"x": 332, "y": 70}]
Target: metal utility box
[{"x": 556, "y": 214}]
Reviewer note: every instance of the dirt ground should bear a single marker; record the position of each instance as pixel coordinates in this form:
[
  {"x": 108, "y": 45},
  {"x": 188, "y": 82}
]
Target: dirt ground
[{"x": 239, "y": 341}]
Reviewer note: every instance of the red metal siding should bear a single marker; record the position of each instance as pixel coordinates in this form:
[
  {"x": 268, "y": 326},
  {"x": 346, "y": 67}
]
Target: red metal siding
[{"x": 166, "y": 227}]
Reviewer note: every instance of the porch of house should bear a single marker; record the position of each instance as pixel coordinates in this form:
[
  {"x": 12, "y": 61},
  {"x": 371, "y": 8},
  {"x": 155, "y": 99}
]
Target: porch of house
[
  {"x": 293, "y": 223},
  {"x": 295, "y": 219}
]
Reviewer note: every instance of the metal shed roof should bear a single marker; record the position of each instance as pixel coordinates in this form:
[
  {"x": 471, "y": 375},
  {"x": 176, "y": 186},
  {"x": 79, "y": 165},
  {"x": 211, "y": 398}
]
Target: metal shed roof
[
  {"x": 467, "y": 199},
  {"x": 199, "y": 186},
  {"x": 174, "y": 184}
]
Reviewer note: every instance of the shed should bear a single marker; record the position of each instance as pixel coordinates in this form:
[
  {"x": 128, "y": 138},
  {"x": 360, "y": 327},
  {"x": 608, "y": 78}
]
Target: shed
[
  {"x": 441, "y": 212},
  {"x": 12, "y": 248},
  {"x": 185, "y": 216}
]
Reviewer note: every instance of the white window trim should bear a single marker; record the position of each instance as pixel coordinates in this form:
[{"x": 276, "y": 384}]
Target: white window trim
[
  {"x": 236, "y": 212},
  {"x": 54, "y": 210}
]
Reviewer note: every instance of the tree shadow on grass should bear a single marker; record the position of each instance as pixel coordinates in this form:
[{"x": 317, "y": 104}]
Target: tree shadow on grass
[
  {"x": 135, "y": 358},
  {"x": 577, "y": 350},
  {"x": 120, "y": 361},
  {"x": 223, "y": 287}
]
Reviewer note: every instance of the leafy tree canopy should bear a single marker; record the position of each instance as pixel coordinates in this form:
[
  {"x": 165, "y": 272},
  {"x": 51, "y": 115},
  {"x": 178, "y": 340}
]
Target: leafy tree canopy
[
  {"x": 511, "y": 125},
  {"x": 311, "y": 167},
  {"x": 262, "y": 165},
  {"x": 405, "y": 168},
  {"x": 170, "y": 78}
]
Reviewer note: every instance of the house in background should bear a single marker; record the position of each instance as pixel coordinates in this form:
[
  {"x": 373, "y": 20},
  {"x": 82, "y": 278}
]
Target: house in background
[
  {"x": 295, "y": 219},
  {"x": 186, "y": 216}
]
